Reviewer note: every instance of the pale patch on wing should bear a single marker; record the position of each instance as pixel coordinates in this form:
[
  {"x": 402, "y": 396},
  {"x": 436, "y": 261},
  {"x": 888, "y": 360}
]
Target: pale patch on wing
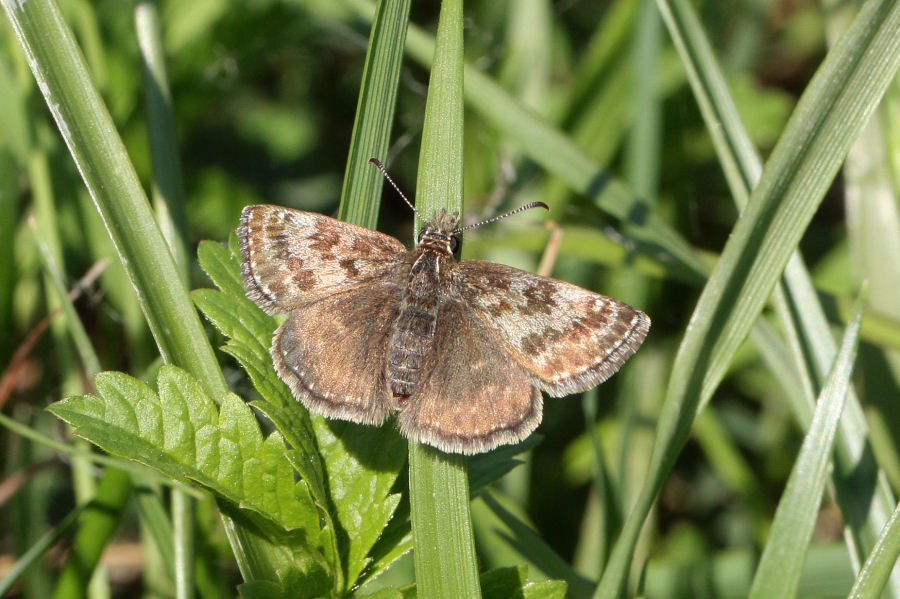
[
  {"x": 290, "y": 258},
  {"x": 569, "y": 339},
  {"x": 331, "y": 353},
  {"x": 472, "y": 397}
]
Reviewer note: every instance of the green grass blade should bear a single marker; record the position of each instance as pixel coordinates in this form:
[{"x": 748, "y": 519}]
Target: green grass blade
[
  {"x": 100, "y": 521},
  {"x": 374, "y": 114},
  {"x": 781, "y": 563},
  {"x": 877, "y": 569},
  {"x": 367, "y": 472},
  {"x": 168, "y": 187},
  {"x": 155, "y": 522},
  {"x": 529, "y": 545},
  {"x": 555, "y": 152},
  {"x": 438, "y": 483},
  {"x": 734, "y": 148},
  {"x": 75, "y": 327},
  {"x": 98, "y": 152},
  {"x": 36, "y": 551},
  {"x": 832, "y": 111},
  {"x": 866, "y": 505}
]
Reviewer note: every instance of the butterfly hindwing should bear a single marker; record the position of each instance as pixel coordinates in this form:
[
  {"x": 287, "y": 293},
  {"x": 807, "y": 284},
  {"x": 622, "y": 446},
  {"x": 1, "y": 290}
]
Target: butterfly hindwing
[
  {"x": 290, "y": 257},
  {"x": 331, "y": 353},
  {"x": 568, "y": 338},
  {"x": 472, "y": 397}
]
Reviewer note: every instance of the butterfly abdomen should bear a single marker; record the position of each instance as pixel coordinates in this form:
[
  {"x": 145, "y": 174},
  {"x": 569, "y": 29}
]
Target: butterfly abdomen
[{"x": 413, "y": 334}]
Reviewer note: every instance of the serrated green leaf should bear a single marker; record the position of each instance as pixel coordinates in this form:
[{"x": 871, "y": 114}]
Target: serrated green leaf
[
  {"x": 282, "y": 556},
  {"x": 305, "y": 459},
  {"x": 181, "y": 433},
  {"x": 263, "y": 589},
  {"x": 258, "y": 365},
  {"x": 250, "y": 332},
  {"x": 548, "y": 589},
  {"x": 218, "y": 263},
  {"x": 362, "y": 463},
  {"x": 235, "y": 316}
]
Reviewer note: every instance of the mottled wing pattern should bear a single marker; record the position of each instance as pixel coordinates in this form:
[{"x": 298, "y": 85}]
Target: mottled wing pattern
[
  {"x": 290, "y": 258},
  {"x": 569, "y": 339},
  {"x": 473, "y": 397},
  {"x": 331, "y": 353}
]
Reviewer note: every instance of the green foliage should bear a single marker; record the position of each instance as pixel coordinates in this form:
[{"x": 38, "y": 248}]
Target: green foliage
[{"x": 182, "y": 433}]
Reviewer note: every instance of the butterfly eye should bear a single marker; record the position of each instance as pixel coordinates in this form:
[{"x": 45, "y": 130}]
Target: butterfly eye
[{"x": 455, "y": 242}]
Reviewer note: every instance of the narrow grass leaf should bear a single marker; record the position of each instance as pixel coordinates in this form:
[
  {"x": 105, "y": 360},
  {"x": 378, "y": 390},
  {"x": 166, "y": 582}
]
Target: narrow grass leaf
[
  {"x": 834, "y": 108},
  {"x": 168, "y": 185},
  {"x": 39, "y": 549},
  {"x": 862, "y": 492},
  {"x": 523, "y": 539},
  {"x": 100, "y": 521},
  {"x": 781, "y": 563},
  {"x": 100, "y": 156},
  {"x": 362, "y": 462},
  {"x": 445, "y": 562},
  {"x": 374, "y": 113},
  {"x": 875, "y": 572}
]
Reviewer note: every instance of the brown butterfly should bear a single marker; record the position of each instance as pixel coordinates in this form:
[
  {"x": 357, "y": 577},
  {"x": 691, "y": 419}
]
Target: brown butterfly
[{"x": 460, "y": 350}]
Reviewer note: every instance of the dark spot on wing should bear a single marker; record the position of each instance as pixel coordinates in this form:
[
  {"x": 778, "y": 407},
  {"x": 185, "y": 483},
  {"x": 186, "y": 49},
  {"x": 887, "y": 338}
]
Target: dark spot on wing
[
  {"x": 532, "y": 343},
  {"x": 324, "y": 239},
  {"x": 539, "y": 298},
  {"x": 304, "y": 279},
  {"x": 349, "y": 266}
]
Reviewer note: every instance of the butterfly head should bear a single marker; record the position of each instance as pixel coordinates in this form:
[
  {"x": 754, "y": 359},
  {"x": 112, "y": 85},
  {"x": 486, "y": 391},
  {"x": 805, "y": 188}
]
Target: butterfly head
[{"x": 442, "y": 234}]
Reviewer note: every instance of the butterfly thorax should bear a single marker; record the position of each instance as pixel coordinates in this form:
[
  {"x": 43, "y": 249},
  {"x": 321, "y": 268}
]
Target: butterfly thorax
[{"x": 413, "y": 333}]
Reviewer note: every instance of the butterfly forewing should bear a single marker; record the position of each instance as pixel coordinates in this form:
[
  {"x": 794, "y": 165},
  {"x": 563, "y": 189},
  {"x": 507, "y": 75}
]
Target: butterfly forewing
[
  {"x": 472, "y": 397},
  {"x": 569, "y": 339},
  {"x": 290, "y": 258}
]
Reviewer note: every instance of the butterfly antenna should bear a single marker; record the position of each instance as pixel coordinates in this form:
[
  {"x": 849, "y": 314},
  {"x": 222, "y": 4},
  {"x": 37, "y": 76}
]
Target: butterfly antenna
[
  {"x": 384, "y": 172},
  {"x": 528, "y": 206}
]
